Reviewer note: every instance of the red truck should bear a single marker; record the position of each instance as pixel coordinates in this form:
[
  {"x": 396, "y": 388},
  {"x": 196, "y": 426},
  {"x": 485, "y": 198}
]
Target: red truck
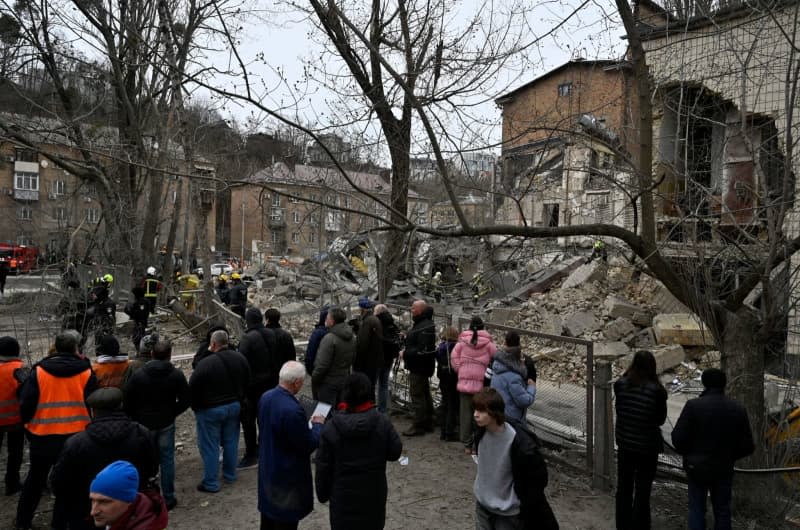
[{"x": 18, "y": 258}]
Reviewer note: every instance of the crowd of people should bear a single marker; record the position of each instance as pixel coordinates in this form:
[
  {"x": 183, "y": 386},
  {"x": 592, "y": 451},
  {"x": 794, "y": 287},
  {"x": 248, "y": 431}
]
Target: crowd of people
[{"x": 104, "y": 431}]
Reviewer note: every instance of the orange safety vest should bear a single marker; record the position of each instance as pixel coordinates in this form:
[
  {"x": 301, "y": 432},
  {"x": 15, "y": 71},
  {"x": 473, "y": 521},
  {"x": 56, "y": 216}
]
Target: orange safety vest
[
  {"x": 9, "y": 402},
  {"x": 61, "y": 408},
  {"x": 110, "y": 374}
]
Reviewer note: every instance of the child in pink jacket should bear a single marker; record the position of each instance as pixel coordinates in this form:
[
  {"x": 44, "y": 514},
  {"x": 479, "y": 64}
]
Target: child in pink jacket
[{"x": 470, "y": 358}]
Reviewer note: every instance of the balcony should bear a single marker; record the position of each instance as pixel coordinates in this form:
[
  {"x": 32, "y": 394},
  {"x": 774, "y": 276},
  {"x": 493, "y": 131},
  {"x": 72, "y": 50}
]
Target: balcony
[
  {"x": 26, "y": 195},
  {"x": 277, "y": 218}
]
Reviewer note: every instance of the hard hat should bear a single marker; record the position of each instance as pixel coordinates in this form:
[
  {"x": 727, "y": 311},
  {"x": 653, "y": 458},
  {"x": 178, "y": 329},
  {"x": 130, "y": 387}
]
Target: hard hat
[
  {"x": 108, "y": 278},
  {"x": 151, "y": 270},
  {"x": 223, "y": 278},
  {"x": 235, "y": 276}
]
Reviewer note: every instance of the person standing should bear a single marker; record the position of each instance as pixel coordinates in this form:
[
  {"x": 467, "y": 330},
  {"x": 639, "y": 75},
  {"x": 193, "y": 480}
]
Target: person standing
[
  {"x": 110, "y": 366},
  {"x": 512, "y": 474},
  {"x": 712, "y": 432},
  {"x": 420, "y": 361},
  {"x": 259, "y": 346},
  {"x": 315, "y": 339},
  {"x": 351, "y": 460},
  {"x": 369, "y": 344},
  {"x": 53, "y": 408},
  {"x": 470, "y": 358},
  {"x": 285, "y": 343},
  {"x": 237, "y": 296},
  {"x": 155, "y": 396},
  {"x": 510, "y": 378},
  {"x": 285, "y": 487},
  {"x": 110, "y": 436},
  {"x": 12, "y": 376},
  {"x": 391, "y": 351},
  {"x": 151, "y": 286},
  {"x": 641, "y": 406},
  {"x": 3, "y": 277},
  {"x": 334, "y": 357},
  {"x": 139, "y": 311},
  {"x": 448, "y": 379},
  {"x": 117, "y": 505},
  {"x": 222, "y": 290},
  {"x": 217, "y": 386}
]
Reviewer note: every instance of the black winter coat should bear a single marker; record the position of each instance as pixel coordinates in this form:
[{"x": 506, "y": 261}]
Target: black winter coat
[
  {"x": 285, "y": 342},
  {"x": 156, "y": 394},
  {"x": 219, "y": 379},
  {"x": 369, "y": 347},
  {"x": 351, "y": 468},
  {"x": 529, "y": 472},
  {"x": 105, "y": 440},
  {"x": 391, "y": 338},
  {"x": 712, "y": 433},
  {"x": 641, "y": 411},
  {"x": 259, "y": 346},
  {"x": 419, "y": 356}
]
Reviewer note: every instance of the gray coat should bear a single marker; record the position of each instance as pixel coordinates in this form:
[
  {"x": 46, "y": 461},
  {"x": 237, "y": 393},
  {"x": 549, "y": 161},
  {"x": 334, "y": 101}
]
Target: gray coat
[{"x": 332, "y": 365}]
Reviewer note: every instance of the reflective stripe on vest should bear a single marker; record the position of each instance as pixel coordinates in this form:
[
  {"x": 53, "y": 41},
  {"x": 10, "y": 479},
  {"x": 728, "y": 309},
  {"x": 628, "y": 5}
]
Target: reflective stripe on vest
[
  {"x": 61, "y": 408},
  {"x": 9, "y": 403},
  {"x": 147, "y": 285}
]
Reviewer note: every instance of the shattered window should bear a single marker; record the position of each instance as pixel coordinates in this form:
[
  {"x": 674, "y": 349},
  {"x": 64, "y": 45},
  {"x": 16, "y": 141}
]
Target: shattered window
[{"x": 564, "y": 89}]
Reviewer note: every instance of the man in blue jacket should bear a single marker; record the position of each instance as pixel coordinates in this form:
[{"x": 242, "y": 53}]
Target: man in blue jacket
[{"x": 285, "y": 487}]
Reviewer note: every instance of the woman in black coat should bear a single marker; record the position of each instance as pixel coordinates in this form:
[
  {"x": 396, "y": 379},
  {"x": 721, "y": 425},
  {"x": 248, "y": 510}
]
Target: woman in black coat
[
  {"x": 351, "y": 460},
  {"x": 641, "y": 405}
]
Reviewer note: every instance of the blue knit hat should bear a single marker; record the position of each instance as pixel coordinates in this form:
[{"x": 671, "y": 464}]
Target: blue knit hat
[
  {"x": 118, "y": 480},
  {"x": 365, "y": 303}
]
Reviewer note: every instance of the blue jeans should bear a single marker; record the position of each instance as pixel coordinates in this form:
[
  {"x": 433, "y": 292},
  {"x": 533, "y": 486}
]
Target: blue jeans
[
  {"x": 218, "y": 426},
  {"x": 383, "y": 387},
  {"x": 720, "y": 489},
  {"x": 164, "y": 439}
]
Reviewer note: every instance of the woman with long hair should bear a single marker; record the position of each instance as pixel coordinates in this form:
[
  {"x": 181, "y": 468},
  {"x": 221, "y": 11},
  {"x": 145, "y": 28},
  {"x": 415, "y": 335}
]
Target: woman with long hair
[
  {"x": 641, "y": 405},
  {"x": 470, "y": 357}
]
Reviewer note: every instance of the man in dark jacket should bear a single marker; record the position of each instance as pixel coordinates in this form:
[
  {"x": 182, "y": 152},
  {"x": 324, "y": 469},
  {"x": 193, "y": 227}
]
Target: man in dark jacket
[
  {"x": 52, "y": 409},
  {"x": 391, "y": 351},
  {"x": 351, "y": 460},
  {"x": 334, "y": 358},
  {"x": 286, "y": 350},
  {"x": 237, "y": 295},
  {"x": 218, "y": 385},
  {"x": 369, "y": 344},
  {"x": 155, "y": 396},
  {"x": 285, "y": 488},
  {"x": 109, "y": 437},
  {"x": 315, "y": 338},
  {"x": 139, "y": 311},
  {"x": 712, "y": 433},
  {"x": 259, "y": 346},
  {"x": 420, "y": 361}
]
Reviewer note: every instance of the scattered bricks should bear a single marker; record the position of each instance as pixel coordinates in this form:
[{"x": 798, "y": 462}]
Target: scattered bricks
[
  {"x": 617, "y": 307},
  {"x": 668, "y": 357},
  {"x": 549, "y": 353},
  {"x": 610, "y": 350},
  {"x": 618, "y": 329},
  {"x": 681, "y": 328},
  {"x": 644, "y": 339},
  {"x": 590, "y": 272},
  {"x": 502, "y": 315},
  {"x": 579, "y": 323}
]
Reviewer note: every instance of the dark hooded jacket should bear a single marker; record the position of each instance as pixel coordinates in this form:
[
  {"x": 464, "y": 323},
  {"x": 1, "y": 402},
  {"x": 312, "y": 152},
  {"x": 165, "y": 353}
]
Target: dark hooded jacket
[
  {"x": 106, "y": 439},
  {"x": 219, "y": 379},
  {"x": 351, "y": 468},
  {"x": 260, "y": 348},
  {"x": 156, "y": 394},
  {"x": 314, "y": 340},
  {"x": 202, "y": 350},
  {"x": 369, "y": 347},
  {"x": 284, "y": 343},
  {"x": 419, "y": 356},
  {"x": 334, "y": 360},
  {"x": 391, "y": 338},
  {"x": 641, "y": 410},
  {"x": 58, "y": 365}
]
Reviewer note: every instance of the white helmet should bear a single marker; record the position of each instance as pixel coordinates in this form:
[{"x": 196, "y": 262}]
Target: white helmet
[{"x": 151, "y": 270}]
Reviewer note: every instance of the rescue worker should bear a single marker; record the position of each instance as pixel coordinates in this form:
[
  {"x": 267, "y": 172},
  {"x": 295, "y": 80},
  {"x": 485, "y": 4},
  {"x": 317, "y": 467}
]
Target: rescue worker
[
  {"x": 102, "y": 313},
  {"x": 436, "y": 286},
  {"x": 12, "y": 375},
  {"x": 223, "y": 291},
  {"x": 599, "y": 251},
  {"x": 238, "y": 295},
  {"x": 151, "y": 286},
  {"x": 52, "y": 407},
  {"x": 139, "y": 311}
]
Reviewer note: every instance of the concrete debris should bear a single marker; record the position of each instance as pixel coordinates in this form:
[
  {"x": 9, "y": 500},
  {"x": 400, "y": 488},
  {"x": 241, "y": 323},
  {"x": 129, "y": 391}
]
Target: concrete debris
[
  {"x": 617, "y": 307},
  {"x": 619, "y": 329},
  {"x": 644, "y": 339},
  {"x": 582, "y": 322},
  {"x": 501, "y": 315},
  {"x": 667, "y": 358},
  {"x": 590, "y": 272},
  {"x": 610, "y": 350},
  {"x": 681, "y": 328}
]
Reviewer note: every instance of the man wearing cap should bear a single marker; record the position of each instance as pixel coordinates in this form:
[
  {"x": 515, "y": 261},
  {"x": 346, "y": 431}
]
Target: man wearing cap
[
  {"x": 155, "y": 396},
  {"x": 223, "y": 291},
  {"x": 369, "y": 343},
  {"x": 110, "y": 436},
  {"x": 110, "y": 366},
  {"x": 52, "y": 407},
  {"x": 143, "y": 355},
  {"x": 218, "y": 386},
  {"x": 285, "y": 343},
  {"x": 237, "y": 296},
  {"x": 117, "y": 505},
  {"x": 12, "y": 375},
  {"x": 712, "y": 432}
]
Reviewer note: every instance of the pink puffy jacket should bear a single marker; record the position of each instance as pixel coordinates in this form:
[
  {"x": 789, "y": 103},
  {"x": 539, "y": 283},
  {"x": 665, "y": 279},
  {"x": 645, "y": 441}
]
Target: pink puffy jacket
[{"x": 470, "y": 361}]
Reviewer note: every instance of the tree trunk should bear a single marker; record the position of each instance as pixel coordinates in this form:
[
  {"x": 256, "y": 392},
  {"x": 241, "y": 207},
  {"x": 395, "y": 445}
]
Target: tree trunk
[{"x": 392, "y": 258}]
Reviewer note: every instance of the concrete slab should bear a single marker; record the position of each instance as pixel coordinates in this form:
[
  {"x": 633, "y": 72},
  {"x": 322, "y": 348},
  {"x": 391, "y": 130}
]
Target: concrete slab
[
  {"x": 618, "y": 307},
  {"x": 681, "y": 328},
  {"x": 581, "y": 322},
  {"x": 618, "y": 329},
  {"x": 590, "y": 272},
  {"x": 610, "y": 350}
]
